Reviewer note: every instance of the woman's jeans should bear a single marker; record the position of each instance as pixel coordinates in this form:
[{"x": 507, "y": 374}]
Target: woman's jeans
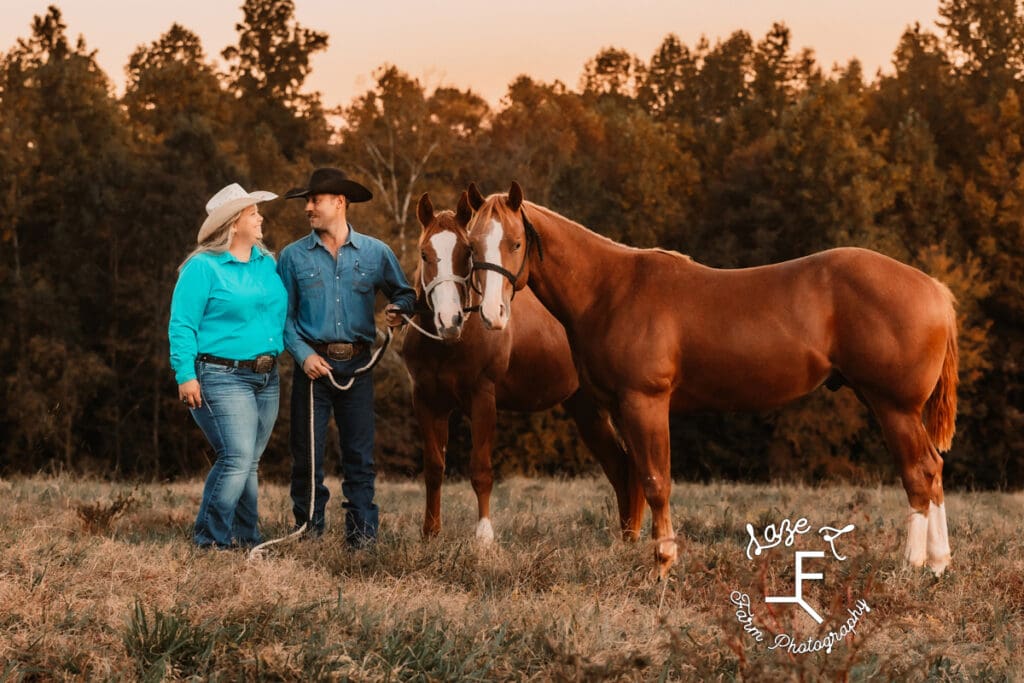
[{"x": 238, "y": 413}]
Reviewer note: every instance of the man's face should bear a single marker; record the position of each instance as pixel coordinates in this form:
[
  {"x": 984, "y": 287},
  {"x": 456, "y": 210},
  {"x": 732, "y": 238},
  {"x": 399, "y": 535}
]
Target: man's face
[{"x": 322, "y": 209}]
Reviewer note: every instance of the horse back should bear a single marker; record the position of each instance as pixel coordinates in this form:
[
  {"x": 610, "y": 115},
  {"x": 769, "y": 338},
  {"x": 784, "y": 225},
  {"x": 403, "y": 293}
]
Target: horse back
[{"x": 756, "y": 338}]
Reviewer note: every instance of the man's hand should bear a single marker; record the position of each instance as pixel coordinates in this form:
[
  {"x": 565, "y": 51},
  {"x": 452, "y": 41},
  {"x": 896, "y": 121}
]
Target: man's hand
[
  {"x": 189, "y": 394},
  {"x": 393, "y": 315},
  {"x": 315, "y": 366}
]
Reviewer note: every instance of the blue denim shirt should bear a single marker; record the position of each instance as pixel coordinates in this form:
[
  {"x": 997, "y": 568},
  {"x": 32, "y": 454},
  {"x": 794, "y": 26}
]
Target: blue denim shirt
[
  {"x": 227, "y": 308},
  {"x": 332, "y": 300}
]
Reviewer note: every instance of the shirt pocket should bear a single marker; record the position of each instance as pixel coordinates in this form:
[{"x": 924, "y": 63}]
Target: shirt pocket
[
  {"x": 364, "y": 278},
  {"x": 308, "y": 278}
]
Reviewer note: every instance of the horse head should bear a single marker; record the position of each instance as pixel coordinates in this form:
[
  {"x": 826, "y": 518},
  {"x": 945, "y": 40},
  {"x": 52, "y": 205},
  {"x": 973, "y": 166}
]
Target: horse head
[
  {"x": 500, "y": 236},
  {"x": 445, "y": 264}
]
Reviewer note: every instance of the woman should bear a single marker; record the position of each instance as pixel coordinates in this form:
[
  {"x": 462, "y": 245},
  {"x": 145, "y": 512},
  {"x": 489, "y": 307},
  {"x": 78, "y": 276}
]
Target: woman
[{"x": 225, "y": 331}]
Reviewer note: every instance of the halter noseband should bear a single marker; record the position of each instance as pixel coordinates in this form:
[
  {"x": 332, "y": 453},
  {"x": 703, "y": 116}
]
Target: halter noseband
[
  {"x": 532, "y": 237},
  {"x": 428, "y": 289}
]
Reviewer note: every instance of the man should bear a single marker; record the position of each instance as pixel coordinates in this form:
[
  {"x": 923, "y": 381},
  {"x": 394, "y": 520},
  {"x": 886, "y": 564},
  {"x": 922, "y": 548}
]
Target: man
[{"x": 332, "y": 276}]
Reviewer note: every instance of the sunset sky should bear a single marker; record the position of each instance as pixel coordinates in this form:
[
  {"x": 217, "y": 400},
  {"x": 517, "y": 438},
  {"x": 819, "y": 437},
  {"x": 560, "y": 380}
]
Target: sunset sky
[{"x": 485, "y": 45}]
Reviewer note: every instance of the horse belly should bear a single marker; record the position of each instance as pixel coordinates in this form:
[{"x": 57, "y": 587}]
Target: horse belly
[
  {"x": 749, "y": 381},
  {"x": 538, "y": 382}
]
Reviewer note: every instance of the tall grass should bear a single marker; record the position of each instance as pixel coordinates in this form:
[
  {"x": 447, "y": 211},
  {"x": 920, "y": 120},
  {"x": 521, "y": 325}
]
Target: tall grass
[{"x": 105, "y": 595}]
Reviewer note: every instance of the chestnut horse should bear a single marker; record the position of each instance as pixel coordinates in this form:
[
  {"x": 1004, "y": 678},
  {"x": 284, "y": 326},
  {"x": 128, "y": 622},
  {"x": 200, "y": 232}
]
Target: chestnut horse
[
  {"x": 526, "y": 367},
  {"x": 653, "y": 332}
]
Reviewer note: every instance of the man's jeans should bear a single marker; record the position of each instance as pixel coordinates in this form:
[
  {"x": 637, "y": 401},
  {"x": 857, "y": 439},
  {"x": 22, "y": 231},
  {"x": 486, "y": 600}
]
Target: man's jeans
[
  {"x": 353, "y": 413},
  {"x": 238, "y": 413}
]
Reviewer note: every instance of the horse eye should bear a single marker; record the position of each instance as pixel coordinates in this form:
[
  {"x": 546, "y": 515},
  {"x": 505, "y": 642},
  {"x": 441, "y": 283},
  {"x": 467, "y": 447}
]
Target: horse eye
[
  {"x": 423, "y": 255},
  {"x": 518, "y": 246}
]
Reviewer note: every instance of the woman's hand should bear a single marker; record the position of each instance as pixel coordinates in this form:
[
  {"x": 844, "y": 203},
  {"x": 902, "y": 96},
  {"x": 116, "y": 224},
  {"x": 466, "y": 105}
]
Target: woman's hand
[{"x": 189, "y": 394}]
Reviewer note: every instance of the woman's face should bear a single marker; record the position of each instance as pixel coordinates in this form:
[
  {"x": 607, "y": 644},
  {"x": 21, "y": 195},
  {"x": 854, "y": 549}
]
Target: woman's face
[{"x": 249, "y": 227}]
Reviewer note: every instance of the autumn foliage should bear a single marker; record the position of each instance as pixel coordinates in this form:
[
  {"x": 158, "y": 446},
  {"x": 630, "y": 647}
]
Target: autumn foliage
[{"x": 738, "y": 151}]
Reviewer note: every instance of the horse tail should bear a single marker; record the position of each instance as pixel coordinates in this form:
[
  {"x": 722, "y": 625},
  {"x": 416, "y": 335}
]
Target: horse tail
[{"x": 940, "y": 420}]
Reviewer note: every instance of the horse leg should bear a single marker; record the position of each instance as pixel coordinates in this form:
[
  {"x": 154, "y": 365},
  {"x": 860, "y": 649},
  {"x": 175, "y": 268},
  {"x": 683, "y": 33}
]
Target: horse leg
[
  {"x": 921, "y": 471},
  {"x": 483, "y": 419},
  {"x": 603, "y": 441},
  {"x": 642, "y": 420},
  {"x": 434, "y": 427}
]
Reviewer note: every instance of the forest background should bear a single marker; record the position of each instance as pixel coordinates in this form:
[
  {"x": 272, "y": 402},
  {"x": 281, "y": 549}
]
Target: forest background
[{"x": 737, "y": 152}]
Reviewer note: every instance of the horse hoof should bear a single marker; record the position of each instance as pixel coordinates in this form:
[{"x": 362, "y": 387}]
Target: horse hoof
[
  {"x": 938, "y": 564},
  {"x": 665, "y": 554}
]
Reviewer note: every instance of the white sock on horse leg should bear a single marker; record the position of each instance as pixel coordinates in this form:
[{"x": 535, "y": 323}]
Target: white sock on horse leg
[
  {"x": 484, "y": 531},
  {"x": 917, "y": 538},
  {"x": 938, "y": 539}
]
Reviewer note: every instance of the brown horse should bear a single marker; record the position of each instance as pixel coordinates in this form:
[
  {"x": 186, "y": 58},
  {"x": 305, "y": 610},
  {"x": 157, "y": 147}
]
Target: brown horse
[
  {"x": 527, "y": 367},
  {"x": 652, "y": 332}
]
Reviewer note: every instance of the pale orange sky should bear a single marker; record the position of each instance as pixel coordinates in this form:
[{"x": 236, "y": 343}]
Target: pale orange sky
[{"x": 485, "y": 45}]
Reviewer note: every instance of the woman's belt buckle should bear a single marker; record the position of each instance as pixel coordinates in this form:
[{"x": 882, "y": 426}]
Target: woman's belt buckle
[
  {"x": 263, "y": 364},
  {"x": 341, "y": 351}
]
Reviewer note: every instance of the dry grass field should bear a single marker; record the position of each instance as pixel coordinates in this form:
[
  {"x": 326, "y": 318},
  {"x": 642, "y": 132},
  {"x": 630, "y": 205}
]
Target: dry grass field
[{"x": 98, "y": 581}]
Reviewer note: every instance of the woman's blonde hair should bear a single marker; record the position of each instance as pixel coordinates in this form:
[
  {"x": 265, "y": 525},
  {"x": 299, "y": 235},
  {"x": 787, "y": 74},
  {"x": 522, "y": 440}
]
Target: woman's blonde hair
[{"x": 219, "y": 241}]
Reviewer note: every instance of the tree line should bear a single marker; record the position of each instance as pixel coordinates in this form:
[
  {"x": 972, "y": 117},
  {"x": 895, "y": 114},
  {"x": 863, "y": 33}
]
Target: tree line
[{"x": 737, "y": 152}]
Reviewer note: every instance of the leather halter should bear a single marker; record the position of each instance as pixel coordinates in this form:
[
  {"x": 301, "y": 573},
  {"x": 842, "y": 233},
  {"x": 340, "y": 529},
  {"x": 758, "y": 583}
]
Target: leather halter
[
  {"x": 428, "y": 289},
  {"x": 532, "y": 237}
]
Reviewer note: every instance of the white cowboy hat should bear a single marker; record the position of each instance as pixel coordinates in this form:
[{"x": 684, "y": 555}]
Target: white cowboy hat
[{"x": 226, "y": 203}]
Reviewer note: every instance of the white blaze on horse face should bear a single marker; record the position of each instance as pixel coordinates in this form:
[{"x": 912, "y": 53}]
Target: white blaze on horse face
[
  {"x": 493, "y": 309},
  {"x": 445, "y": 297}
]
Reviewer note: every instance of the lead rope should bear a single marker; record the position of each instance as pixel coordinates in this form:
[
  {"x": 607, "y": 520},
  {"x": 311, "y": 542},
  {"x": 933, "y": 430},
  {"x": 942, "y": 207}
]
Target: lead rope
[
  {"x": 260, "y": 550},
  {"x": 421, "y": 330}
]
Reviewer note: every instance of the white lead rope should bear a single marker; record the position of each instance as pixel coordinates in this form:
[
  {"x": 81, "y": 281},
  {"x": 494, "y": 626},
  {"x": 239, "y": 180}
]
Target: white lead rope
[
  {"x": 260, "y": 550},
  {"x": 422, "y": 331}
]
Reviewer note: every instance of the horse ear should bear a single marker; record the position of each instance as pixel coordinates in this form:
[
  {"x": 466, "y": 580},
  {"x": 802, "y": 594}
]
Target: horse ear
[
  {"x": 476, "y": 200},
  {"x": 425, "y": 210},
  {"x": 515, "y": 196},
  {"x": 463, "y": 212}
]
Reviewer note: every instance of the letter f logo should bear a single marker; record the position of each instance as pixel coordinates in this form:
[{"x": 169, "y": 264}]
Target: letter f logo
[{"x": 800, "y": 576}]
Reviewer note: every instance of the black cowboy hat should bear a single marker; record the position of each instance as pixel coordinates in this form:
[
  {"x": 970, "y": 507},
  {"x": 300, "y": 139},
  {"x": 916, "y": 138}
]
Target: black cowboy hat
[{"x": 331, "y": 181}]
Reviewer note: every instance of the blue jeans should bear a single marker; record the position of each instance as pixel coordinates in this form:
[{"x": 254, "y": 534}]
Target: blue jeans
[
  {"x": 238, "y": 413},
  {"x": 353, "y": 413}
]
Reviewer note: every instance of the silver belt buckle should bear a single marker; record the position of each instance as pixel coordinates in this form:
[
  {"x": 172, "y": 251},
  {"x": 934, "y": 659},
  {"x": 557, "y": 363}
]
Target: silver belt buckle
[
  {"x": 340, "y": 351},
  {"x": 264, "y": 364}
]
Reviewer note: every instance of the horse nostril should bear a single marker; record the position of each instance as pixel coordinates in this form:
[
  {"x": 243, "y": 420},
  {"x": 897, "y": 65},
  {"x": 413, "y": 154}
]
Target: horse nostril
[
  {"x": 504, "y": 310},
  {"x": 457, "y": 320}
]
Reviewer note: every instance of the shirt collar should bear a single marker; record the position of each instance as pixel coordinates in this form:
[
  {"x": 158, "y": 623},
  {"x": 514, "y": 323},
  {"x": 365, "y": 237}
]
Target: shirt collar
[
  {"x": 227, "y": 257},
  {"x": 356, "y": 239}
]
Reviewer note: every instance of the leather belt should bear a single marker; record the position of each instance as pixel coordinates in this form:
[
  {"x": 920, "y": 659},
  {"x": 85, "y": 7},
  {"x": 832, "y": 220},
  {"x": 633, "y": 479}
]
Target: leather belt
[
  {"x": 262, "y": 364},
  {"x": 340, "y": 350}
]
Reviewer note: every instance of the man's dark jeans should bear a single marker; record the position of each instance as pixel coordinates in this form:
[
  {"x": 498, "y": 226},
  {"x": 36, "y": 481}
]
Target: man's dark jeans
[{"x": 353, "y": 413}]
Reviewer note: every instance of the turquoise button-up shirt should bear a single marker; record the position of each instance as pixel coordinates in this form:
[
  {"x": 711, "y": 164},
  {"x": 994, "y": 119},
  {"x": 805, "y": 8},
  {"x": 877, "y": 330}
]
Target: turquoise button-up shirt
[
  {"x": 227, "y": 308},
  {"x": 331, "y": 300}
]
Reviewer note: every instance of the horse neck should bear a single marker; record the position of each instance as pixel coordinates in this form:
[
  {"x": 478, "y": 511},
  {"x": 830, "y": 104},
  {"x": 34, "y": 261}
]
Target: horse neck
[{"x": 569, "y": 278}]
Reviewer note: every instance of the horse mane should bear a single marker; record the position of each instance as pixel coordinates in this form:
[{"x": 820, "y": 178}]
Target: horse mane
[{"x": 603, "y": 238}]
